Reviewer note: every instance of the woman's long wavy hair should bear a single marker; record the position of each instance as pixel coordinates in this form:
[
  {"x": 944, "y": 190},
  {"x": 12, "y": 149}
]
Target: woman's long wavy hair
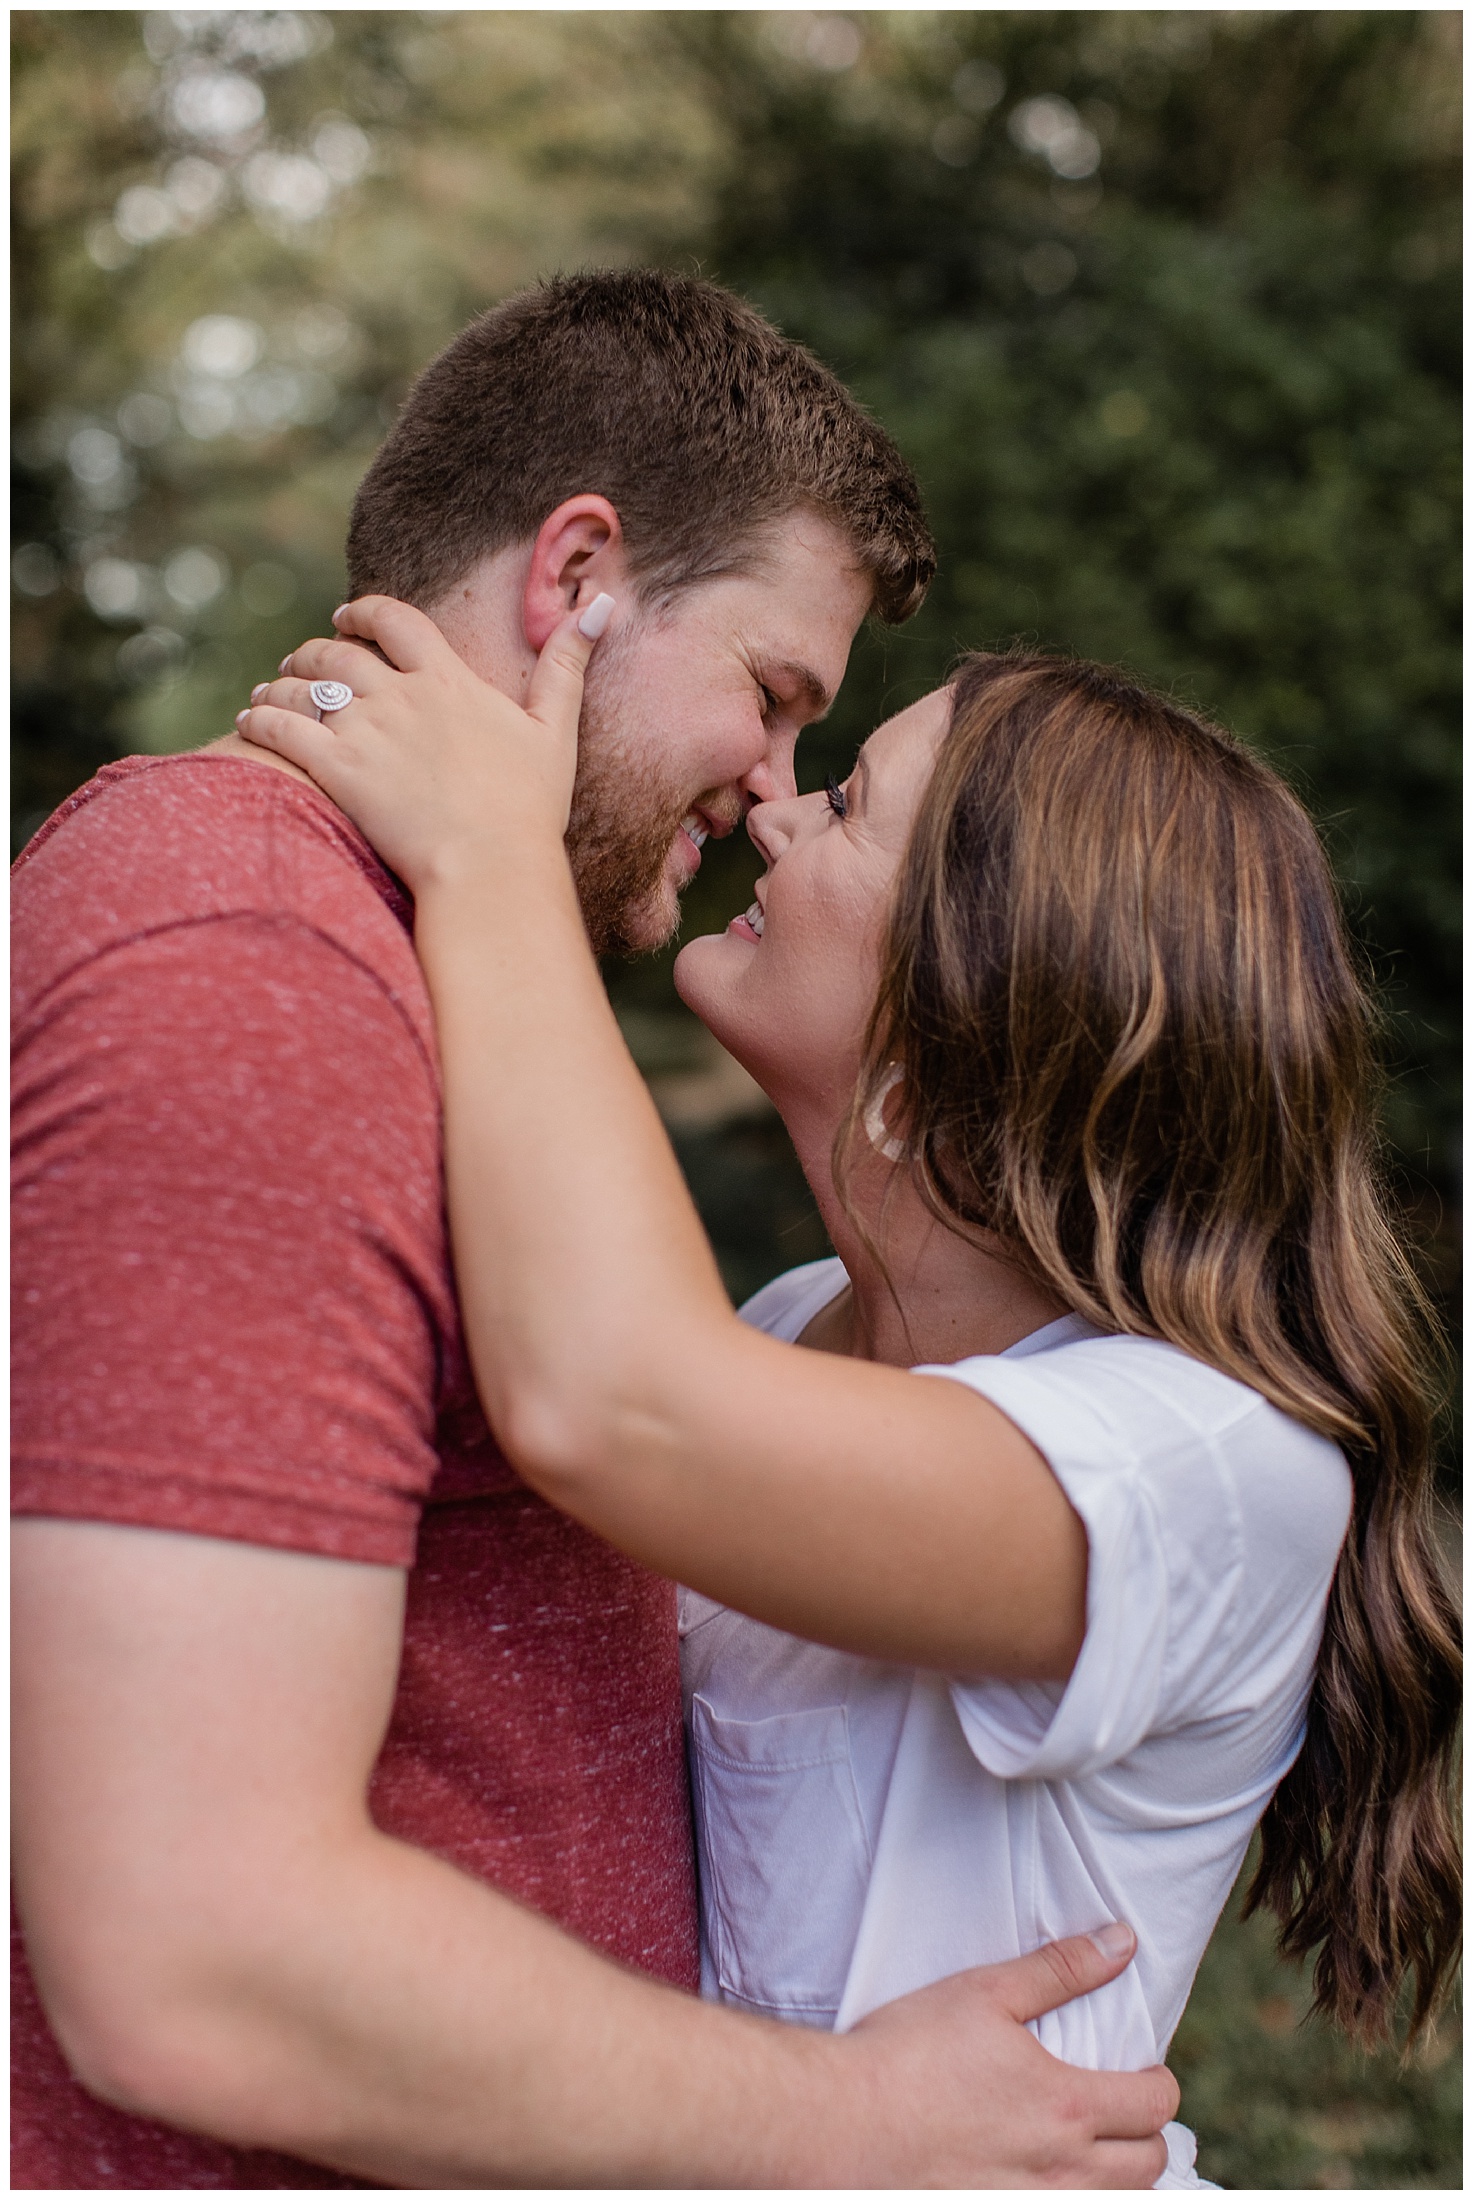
[{"x": 1137, "y": 1055}]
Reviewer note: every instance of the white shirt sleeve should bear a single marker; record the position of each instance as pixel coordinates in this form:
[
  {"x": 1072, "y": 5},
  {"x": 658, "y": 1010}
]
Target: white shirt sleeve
[
  {"x": 1213, "y": 1522},
  {"x": 1116, "y": 1693}
]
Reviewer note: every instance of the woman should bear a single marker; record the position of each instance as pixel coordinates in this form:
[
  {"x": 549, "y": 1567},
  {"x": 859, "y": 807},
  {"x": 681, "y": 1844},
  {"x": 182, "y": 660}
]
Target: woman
[{"x": 1022, "y": 1594}]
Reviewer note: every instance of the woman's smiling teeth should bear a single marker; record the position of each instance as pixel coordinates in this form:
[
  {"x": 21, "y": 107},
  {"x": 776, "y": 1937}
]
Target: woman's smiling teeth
[
  {"x": 754, "y": 918},
  {"x": 695, "y": 830}
]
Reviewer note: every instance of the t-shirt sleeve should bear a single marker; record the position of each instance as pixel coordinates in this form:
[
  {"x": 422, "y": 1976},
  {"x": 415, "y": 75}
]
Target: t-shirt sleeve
[
  {"x": 1125, "y": 1474},
  {"x": 229, "y": 1271}
]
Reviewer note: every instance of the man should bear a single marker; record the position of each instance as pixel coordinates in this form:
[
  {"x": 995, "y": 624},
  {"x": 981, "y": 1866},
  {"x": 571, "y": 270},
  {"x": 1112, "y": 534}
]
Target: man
[{"x": 352, "y": 1838}]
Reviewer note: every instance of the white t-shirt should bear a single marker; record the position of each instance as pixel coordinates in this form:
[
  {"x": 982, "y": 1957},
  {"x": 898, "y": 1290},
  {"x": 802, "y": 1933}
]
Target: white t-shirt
[{"x": 865, "y": 1829}]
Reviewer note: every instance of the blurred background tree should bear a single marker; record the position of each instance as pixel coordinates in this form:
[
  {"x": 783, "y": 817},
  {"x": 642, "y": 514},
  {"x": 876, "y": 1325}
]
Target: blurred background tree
[{"x": 1163, "y": 307}]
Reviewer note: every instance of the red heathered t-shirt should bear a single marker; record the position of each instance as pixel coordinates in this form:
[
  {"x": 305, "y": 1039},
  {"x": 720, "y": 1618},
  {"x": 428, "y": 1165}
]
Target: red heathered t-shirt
[{"x": 235, "y": 1316}]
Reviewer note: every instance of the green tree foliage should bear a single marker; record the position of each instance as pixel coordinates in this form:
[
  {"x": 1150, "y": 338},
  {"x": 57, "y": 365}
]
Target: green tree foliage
[{"x": 1162, "y": 306}]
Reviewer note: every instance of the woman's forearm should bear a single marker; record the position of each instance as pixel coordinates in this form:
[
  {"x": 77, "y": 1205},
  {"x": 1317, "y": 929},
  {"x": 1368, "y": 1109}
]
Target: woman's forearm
[{"x": 583, "y": 1266}]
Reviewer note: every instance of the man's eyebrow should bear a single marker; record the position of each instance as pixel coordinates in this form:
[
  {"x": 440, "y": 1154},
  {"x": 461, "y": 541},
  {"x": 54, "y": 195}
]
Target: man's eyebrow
[{"x": 814, "y": 691}]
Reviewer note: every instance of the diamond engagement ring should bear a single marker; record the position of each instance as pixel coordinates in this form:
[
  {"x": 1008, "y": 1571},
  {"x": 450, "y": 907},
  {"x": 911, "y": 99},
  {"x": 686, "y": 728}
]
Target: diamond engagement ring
[{"x": 330, "y": 695}]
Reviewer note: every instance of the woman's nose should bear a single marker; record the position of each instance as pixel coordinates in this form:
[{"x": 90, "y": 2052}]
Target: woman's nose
[{"x": 770, "y": 828}]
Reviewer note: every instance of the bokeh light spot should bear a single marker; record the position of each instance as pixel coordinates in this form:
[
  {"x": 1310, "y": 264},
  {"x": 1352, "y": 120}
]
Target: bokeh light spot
[
  {"x": 223, "y": 345},
  {"x": 194, "y": 578}
]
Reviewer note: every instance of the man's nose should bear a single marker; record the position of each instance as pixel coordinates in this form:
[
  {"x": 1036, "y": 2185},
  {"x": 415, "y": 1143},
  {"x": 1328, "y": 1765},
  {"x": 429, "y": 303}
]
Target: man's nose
[{"x": 771, "y": 777}]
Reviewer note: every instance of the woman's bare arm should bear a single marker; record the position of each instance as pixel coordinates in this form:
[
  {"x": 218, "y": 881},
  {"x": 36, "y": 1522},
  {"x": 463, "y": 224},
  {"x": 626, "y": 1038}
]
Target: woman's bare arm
[{"x": 857, "y": 1505}]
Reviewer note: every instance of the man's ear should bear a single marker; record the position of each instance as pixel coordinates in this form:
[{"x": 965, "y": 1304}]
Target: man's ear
[{"x": 579, "y": 551}]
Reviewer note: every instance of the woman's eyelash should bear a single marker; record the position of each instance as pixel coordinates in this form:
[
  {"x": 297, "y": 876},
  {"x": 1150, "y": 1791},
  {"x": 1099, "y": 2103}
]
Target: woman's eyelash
[{"x": 838, "y": 801}]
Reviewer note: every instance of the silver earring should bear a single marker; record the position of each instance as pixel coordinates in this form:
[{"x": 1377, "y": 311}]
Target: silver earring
[{"x": 875, "y": 1130}]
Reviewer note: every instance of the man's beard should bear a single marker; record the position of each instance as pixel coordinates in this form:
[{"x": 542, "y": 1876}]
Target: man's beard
[{"x": 621, "y": 828}]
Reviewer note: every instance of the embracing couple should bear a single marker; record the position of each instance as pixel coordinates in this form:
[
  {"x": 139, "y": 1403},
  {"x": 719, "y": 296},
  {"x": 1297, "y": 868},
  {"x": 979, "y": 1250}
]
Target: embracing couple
[{"x": 1022, "y": 1545}]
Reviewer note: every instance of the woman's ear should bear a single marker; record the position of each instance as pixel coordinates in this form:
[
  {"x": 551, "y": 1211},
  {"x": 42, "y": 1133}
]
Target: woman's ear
[{"x": 578, "y": 554}]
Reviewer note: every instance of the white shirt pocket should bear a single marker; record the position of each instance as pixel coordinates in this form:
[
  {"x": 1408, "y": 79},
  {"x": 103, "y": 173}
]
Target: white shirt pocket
[{"x": 785, "y": 1860}]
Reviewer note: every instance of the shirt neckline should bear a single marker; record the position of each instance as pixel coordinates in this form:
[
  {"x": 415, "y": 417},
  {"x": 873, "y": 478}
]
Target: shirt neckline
[
  {"x": 1065, "y": 1329},
  {"x": 1068, "y": 1329}
]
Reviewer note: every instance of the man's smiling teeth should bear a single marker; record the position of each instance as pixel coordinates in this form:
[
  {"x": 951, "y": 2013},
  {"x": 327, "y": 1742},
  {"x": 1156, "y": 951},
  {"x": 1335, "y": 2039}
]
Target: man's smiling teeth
[
  {"x": 754, "y": 918},
  {"x": 695, "y": 830}
]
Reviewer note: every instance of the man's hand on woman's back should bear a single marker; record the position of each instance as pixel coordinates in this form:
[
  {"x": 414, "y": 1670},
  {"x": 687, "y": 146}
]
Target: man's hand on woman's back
[{"x": 1004, "y": 2112}]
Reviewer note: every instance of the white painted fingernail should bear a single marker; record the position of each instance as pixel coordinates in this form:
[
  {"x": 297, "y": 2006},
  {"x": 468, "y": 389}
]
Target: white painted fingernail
[
  {"x": 285, "y": 662},
  {"x": 342, "y": 607},
  {"x": 1113, "y": 1941},
  {"x": 241, "y": 716},
  {"x": 256, "y": 694},
  {"x": 596, "y": 617}
]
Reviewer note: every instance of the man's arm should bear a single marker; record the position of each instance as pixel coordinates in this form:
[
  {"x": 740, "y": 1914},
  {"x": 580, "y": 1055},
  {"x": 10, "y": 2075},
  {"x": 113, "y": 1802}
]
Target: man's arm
[{"x": 224, "y": 1940}]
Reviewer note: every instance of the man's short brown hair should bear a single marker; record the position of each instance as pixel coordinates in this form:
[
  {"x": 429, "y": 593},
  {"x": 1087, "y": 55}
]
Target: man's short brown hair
[{"x": 674, "y": 399}]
